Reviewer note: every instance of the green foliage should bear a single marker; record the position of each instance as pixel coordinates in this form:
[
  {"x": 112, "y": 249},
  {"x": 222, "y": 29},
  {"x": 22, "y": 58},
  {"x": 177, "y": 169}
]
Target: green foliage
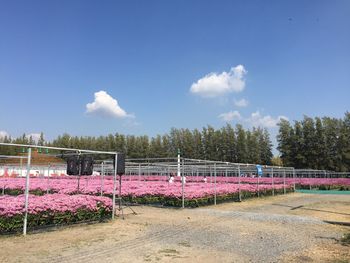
[
  {"x": 316, "y": 143},
  {"x": 203, "y": 201},
  {"x": 276, "y": 161},
  {"x": 15, "y": 223},
  {"x": 345, "y": 240},
  {"x": 227, "y": 144}
]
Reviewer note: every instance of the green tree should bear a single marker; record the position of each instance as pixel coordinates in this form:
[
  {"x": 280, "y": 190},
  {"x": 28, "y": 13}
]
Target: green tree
[
  {"x": 265, "y": 147},
  {"x": 241, "y": 145},
  {"x": 297, "y": 153},
  {"x": 344, "y": 143},
  {"x": 285, "y": 142}
]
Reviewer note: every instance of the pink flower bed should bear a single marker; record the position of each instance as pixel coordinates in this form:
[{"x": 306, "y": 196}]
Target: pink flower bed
[
  {"x": 323, "y": 181},
  {"x": 65, "y": 204},
  {"x": 92, "y": 186},
  {"x": 148, "y": 185},
  {"x": 248, "y": 180},
  {"x": 55, "y": 203},
  {"x": 51, "y": 209}
]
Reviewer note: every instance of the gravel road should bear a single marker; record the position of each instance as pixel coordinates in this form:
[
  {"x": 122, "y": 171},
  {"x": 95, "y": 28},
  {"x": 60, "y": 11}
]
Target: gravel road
[{"x": 278, "y": 229}]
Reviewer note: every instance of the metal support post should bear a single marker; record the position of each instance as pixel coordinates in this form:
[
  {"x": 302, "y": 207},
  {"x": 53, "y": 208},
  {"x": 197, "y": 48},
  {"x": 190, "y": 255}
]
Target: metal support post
[
  {"x": 27, "y": 192},
  {"x": 284, "y": 181},
  {"x": 294, "y": 179},
  {"x": 178, "y": 163},
  {"x": 102, "y": 177},
  {"x": 214, "y": 183},
  {"x": 258, "y": 185},
  {"x": 114, "y": 185},
  {"x": 139, "y": 173},
  {"x": 239, "y": 184},
  {"x": 48, "y": 180},
  {"x": 120, "y": 194},
  {"x": 183, "y": 185},
  {"x": 273, "y": 182}
]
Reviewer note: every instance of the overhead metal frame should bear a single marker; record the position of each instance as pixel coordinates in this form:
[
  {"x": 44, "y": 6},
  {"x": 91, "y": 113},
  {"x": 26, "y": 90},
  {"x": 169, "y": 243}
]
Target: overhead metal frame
[
  {"x": 79, "y": 151},
  {"x": 165, "y": 166}
]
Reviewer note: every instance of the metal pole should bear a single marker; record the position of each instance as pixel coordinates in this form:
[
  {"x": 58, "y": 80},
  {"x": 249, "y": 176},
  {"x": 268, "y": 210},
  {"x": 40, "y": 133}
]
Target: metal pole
[
  {"x": 139, "y": 173},
  {"x": 27, "y": 192},
  {"x": 178, "y": 162},
  {"x": 273, "y": 183},
  {"x": 48, "y": 179},
  {"x": 21, "y": 167},
  {"x": 211, "y": 176},
  {"x": 120, "y": 194},
  {"x": 258, "y": 185},
  {"x": 102, "y": 176},
  {"x": 78, "y": 183},
  {"x": 183, "y": 185},
  {"x": 239, "y": 184},
  {"x": 214, "y": 183},
  {"x": 114, "y": 184},
  {"x": 294, "y": 179},
  {"x": 57, "y": 148},
  {"x": 284, "y": 181},
  {"x": 310, "y": 180}
]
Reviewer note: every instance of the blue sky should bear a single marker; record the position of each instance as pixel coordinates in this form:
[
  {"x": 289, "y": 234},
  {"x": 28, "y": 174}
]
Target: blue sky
[{"x": 181, "y": 64}]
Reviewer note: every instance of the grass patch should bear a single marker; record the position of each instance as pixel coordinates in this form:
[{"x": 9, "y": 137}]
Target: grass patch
[
  {"x": 169, "y": 251},
  {"x": 345, "y": 240},
  {"x": 185, "y": 244}
]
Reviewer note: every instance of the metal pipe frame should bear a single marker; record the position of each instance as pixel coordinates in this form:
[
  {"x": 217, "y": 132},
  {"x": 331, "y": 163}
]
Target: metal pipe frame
[{"x": 29, "y": 147}]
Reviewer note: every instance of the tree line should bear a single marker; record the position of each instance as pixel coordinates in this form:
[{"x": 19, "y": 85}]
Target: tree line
[
  {"x": 316, "y": 143},
  {"x": 228, "y": 144}
]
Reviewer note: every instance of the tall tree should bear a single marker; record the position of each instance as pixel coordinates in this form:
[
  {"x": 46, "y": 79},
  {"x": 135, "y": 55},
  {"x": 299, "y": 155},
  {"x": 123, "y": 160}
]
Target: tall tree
[
  {"x": 309, "y": 147},
  {"x": 241, "y": 145},
  {"x": 297, "y": 153},
  {"x": 265, "y": 147},
  {"x": 344, "y": 143},
  {"x": 285, "y": 142}
]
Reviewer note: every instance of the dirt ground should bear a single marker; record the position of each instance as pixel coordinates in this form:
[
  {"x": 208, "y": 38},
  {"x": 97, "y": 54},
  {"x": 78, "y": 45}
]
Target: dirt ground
[{"x": 288, "y": 228}]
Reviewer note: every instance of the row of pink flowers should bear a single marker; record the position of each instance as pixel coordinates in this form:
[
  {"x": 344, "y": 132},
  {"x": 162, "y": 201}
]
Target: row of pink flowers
[
  {"x": 94, "y": 185},
  {"x": 195, "y": 188},
  {"x": 55, "y": 203},
  {"x": 58, "y": 184},
  {"x": 249, "y": 180}
]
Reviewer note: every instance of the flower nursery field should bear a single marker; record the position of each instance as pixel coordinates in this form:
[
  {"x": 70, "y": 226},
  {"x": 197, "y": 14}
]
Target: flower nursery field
[
  {"x": 257, "y": 230},
  {"x": 67, "y": 200}
]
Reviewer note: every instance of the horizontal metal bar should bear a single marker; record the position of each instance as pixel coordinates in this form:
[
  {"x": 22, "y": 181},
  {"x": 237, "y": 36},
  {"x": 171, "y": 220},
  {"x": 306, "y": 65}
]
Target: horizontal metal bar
[
  {"x": 146, "y": 159},
  {"x": 57, "y": 148},
  {"x": 12, "y": 157}
]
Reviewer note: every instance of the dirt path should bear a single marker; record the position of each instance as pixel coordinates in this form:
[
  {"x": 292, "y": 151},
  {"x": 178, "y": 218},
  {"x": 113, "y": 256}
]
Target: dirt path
[{"x": 276, "y": 229}]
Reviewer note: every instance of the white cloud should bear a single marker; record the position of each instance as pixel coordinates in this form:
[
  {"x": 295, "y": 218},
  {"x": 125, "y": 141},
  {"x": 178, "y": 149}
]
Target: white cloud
[
  {"x": 215, "y": 84},
  {"x": 241, "y": 103},
  {"x": 3, "y": 134},
  {"x": 230, "y": 116},
  {"x": 106, "y": 106},
  {"x": 258, "y": 120}
]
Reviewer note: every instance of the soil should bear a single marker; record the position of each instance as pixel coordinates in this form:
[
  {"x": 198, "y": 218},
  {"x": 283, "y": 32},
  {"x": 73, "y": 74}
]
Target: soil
[{"x": 287, "y": 228}]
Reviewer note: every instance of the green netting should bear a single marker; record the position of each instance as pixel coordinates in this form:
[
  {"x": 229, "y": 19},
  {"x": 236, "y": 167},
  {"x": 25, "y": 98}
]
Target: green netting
[{"x": 326, "y": 192}]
